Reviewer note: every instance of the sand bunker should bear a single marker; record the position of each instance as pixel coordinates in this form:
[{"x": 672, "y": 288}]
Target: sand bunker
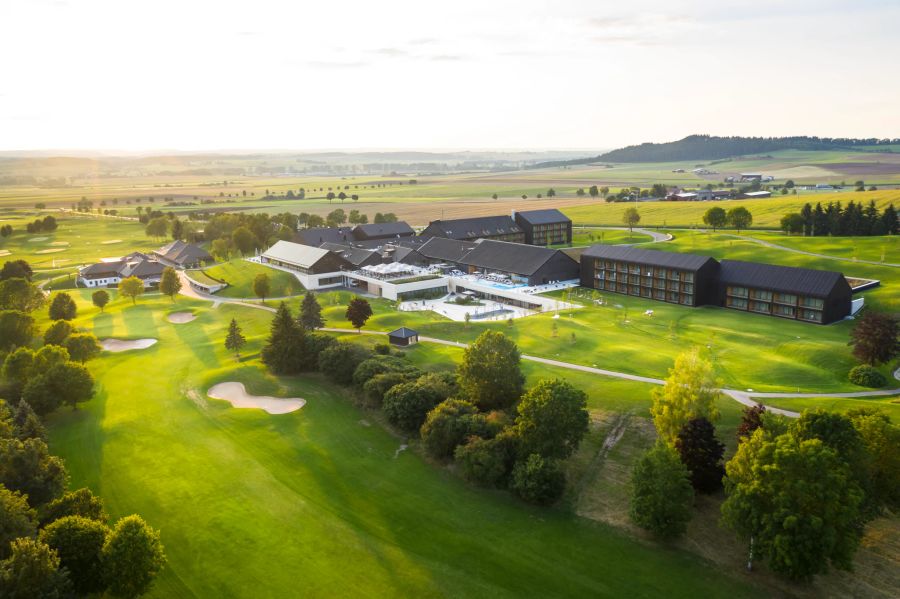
[
  {"x": 5, "y": 252},
  {"x": 51, "y": 251},
  {"x": 237, "y": 396},
  {"x": 58, "y": 243},
  {"x": 181, "y": 317},
  {"x": 109, "y": 241},
  {"x": 33, "y": 239},
  {"x": 117, "y": 345}
]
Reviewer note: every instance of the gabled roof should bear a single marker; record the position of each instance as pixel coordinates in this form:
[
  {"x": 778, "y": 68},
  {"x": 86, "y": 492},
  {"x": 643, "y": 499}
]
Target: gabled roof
[
  {"x": 511, "y": 257},
  {"x": 142, "y": 269},
  {"x": 180, "y": 252},
  {"x": 383, "y": 230},
  {"x": 476, "y": 227},
  {"x": 101, "y": 269},
  {"x": 304, "y": 256},
  {"x": 403, "y": 333},
  {"x": 648, "y": 257},
  {"x": 786, "y": 279},
  {"x": 319, "y": 235},
  {"x": 355, "y": 256},
  {"x": 542, "y": 217},
  {"x": 442, "y": 248}
]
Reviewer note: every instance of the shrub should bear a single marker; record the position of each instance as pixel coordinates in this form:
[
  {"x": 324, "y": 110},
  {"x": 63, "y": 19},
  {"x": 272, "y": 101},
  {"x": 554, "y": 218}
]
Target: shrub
[
  {"x": 57, "y": 332},
  {"x": 375, "y": 388},
  {"x": 378, "y": 365},
  {"x": 866, "y": 376},
  {"x": 661, "y": 493},
  {"x": 487, "y": 462},
  {"x": 339, "y": 361},
  {"x": 382, "y": 349},
  {"x": 78, "y": 541},
  {"x": 538, "y": 480},
  {"x": 448, "y": 425},
  {"x": 406, "y": 405}
]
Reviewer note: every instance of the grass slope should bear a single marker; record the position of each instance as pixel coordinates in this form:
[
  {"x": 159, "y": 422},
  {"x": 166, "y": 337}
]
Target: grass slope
[
  {"x": 316, "y": 502},
  {"x": 239, "y": 275}
]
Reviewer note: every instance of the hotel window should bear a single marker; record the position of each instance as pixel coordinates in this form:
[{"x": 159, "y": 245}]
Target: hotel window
[
  {"x": 689, "y": 277},
  {"x": 687, "y": 299},
  {"x": 661, "y": 273},
  {"x": 760, "y": 294},
  {"x": 760, "y": 307},
  {"x": 737, "y": 291},
  {"x": 783, "y": 310},
  {"x": 812, "y": 302},
  {"x": 674, "y": 286},
  {"x": 737, "y": 303},
  {"x": 659, "y": 295},
  {"x": 687, "y": 288},
  {"x": 786, "y": 298},
  {"x": 646, "y": 291},
  {"x": 811, "y": 315}
]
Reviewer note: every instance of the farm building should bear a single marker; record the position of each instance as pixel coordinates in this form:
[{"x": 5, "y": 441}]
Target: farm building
[
  {"x": 501, "y": 228},
  {"x": 109, "y": 273},
  {"x": 818, "y": 296},
  {"x": 182, "y": 255},
  {"x": 544, "y": 227},
  {"x": 745, "y": 177},
  {"x": 315, "y": 267},
  {"x": 756, "y": 195},
  {"x": 664, "y": 276},
  {"x": 403, "y": 337},
  {"x": 375, "y": 231}
]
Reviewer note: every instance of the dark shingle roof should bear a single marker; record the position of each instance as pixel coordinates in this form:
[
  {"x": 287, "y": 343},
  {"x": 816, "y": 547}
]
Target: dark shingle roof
[
  {"x": 441, "y": 248},
  {"x": 473, "y": 228},
  {"x": 356, "y": 256},
  {"x": 511, "y": 257},
  {"x": 542, "y": 217},
  {"x": 648, "y": 257},
  {"x": 403, "y": 333},
  {"x": 180, "y": 252},
  {"x": 787, "y": 279},
  {"x": 102, "y": 269},
  {"x": 319, "y": 235},
  {"x": 383, "y": 230}
]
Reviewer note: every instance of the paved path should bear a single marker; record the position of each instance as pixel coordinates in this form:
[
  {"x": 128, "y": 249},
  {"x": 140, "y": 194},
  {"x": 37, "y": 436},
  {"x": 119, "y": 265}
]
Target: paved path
[
  {"x": 747, "y": 398},
  {"x": 769, "y": 244}
]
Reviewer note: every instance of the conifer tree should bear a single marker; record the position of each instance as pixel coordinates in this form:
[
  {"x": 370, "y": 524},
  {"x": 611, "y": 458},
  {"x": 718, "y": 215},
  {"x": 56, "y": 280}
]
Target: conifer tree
[
  {"x": 234, "y": 340},
  {"x": 310, "y": 313},
  {"x": 285, "y": 349}
]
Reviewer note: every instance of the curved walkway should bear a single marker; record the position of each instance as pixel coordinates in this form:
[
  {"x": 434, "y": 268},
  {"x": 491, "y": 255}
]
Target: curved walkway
[
  {"x": 655, "y": 235},
  {"x": 747, "y": 398},
  {"x": 775, "y": 246}
]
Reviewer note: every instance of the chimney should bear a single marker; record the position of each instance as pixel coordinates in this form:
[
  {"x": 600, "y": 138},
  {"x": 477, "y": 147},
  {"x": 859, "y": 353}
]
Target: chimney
[{"x": 513, "y": 213}]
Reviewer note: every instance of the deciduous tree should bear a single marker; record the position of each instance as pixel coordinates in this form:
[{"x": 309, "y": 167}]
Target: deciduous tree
[
  {"x": 132, "y": 556},
  {"x": 261, "y": 286},
  {"x": 57, "y": 332},
  {"x": 83, "y": 347},
  {"x": 740, "y": 218},
  {"x": 876, "y": 338},
  {"x": 631, "y": 217},
  {"x": 715, "y": 217},
  {"x": 31, "y": 571},
  {"x": 661, "y": 494},
  {"x": 17, "y": 519},
  {"x": 701, "y": 452},
  {"x": 169, "y": 283},
  {"x": 16, "y": 329},
  {"x": 489, "y": 375},
  {"x": 358, "y": 312},
  {"x": 27, "y": 467},
  {"x": 538, "y": 480},
  {"x": 79, "y": 542},
  {"x": 552, "y": 419},
  {"x": 448, "y": 425},
  {"x": 131, "y": 287},
  {"x": 100, "y": 298},
  {"x": 690, "y": 391},
  {"x": 20, "y": 294}
]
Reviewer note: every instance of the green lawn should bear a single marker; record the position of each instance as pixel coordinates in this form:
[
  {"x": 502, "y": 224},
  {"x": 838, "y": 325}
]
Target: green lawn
[
  {"x": 876, "y": 249},
  {"x": 239, "y": 275},
  {"x": 890, "y": 405},
  {"x": 319, "y": 502},
  {"x": 606, "y": 237}
]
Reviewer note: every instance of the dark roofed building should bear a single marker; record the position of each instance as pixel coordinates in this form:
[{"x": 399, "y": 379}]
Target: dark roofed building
[
  {"x": 543, "y": 226},
  {"x": 441, "y": 249},
  {"x": 819, "y": 296},
  {"x": 403, "y": 337},
  {"x": 372, "y": 231},
  {"x": 501, "y": 228},
  {"x": 183, "y": 255},
  {"x": 108, "y": 274},
  {"x": 316, "y": 236},
  {"x": 356, "y": 256},
  {"x": 685, "y": 279},
  {"x": 522, "y": 263}
]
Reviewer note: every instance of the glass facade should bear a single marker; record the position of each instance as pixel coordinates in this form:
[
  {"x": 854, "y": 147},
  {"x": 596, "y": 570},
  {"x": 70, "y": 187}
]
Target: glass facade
[
  {"x": 663, "y": 284},
  {"x": 785, "y": 305}
]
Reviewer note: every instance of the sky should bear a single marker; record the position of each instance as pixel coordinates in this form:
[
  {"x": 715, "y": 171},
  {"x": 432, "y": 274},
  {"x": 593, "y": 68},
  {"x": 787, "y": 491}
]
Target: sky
[{"x": 487, "y": 74}]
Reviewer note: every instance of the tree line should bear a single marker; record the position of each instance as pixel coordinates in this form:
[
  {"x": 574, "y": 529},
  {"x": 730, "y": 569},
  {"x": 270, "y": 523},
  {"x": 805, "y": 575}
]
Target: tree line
[{"x": 833, "y": 219}]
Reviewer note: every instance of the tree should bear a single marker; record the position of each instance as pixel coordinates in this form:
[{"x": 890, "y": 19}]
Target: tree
[
  {"x": 284, "y": 352},
  {"x": 715, "y": 217},
  {"x": 701, "y": 452},
  {"x": 881, "y": 437},
  {"x": 16, "y": 269},
  {"x": 538, "y": 480},
  {"x": 177, "y": 229},
  {"x": 63, "y": 307},
  {"x": 796, "y": 503},
  {"x": 244, "y": 240},
  {"x": 876, "y": 338},
  {"x": 132, "y": 556},
  {"x": 28, "y": 424},
  {"x": 408, "y": 404},
  {"x": 169, "y": 283},
  {"x": 336, "y": 218},
  {"x": 16, "y": 329},
  {"x": 261, "y": 286},
  {"x": 157, "y": 227},
  {"x": 358, "y": 312},
  {"x": 131, "y": 287},
  {"x": 740, "y": 218},
  {"x": 751, "y": 419},
  {"x": 100, "y": 298},
  {"x": 57, "y": 332},
  {"x": 17, "y": 519},
  {"x": 27, "y": 467},
  {"x": 792, "y": 223},
  {"x": 690, "y": 391},
  {"x": 489, "y": 375},
  {"x": 48, "y": 357},
  {"x": 551, "y": 193},
  {"x": 593, "y": 191},
  {"x": 552, "y": 419},
  {"x": 83, "y": 347},
  {"x": 234, "y": 340},
  {"x": 340, "y": 360},
  {"x": 79, "y": 542},
  {"x": 81, "y": 502},
  {"x": 448, "y": 425},
  {"x": 20, "y": 294},
  {"x": 72, "y": 382},
  {"x": 661, "y": 494},
  {"x": 32, "y": 572},
  {"x": 488, "y": 462},
  {"x": 311, "y": 312},
  {"x": 631, "y": 217}
]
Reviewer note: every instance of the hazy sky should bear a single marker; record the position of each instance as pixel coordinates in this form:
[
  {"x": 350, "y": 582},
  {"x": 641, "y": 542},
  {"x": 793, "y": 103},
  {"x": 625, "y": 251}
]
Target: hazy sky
[{"x": 216, "y": 74}]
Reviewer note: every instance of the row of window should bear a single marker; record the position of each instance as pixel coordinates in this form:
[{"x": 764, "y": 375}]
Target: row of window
[
  {"x": 780, "y": 298},
  {"x": 740, "y": 303},
  {"x": 646, "y": 271},
  {"x": 658, "y": 294}
]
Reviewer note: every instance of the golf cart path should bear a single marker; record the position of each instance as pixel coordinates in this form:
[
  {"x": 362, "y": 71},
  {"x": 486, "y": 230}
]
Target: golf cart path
[
  {"x": 775, "y": 246},
  {"x": 747, "y": 398}
]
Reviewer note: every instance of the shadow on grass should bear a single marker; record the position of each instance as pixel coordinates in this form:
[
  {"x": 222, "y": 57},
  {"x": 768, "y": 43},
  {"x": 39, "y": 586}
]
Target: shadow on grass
[{"x": 103, "y": 325}]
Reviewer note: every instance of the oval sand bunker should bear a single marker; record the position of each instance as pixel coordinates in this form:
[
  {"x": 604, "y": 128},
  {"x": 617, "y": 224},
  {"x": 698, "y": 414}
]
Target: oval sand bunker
[
  {"x": 237, "y": 396},
  {"x": 117, "y": 345},
  {"x": 181, "y": 317}
]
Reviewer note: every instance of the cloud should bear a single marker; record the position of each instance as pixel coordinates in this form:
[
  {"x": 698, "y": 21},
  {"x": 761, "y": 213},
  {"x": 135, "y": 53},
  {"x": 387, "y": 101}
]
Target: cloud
[
  {"x": 645, "y": 29},
  {"x": 337, "y": 64},
  {"x": 423, "y": 41},
  {"x": 446, "y": 57},
  {"x": 392, "y": 52}
]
